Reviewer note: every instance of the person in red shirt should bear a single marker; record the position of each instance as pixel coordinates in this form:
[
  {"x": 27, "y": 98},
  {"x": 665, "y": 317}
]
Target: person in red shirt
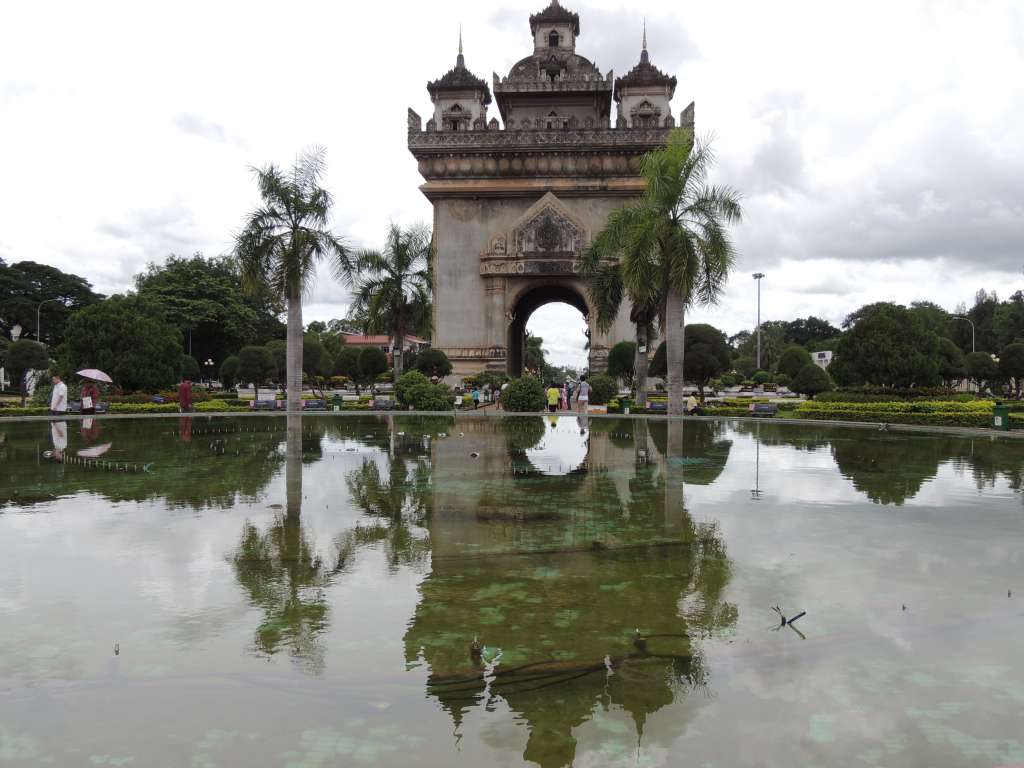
[
  {"x": 185, "y": 396},
  {"x": 90, "y": 397}
]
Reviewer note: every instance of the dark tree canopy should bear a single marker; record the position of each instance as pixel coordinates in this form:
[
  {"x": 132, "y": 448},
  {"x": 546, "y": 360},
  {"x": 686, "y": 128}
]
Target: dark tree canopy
[
  {"x": 128, "y": 338},
  {"x": 433, "y": 362},
  {"x": 983, "y": 369},
  {"x": 1011, "y": 365},
  {"x": 806, "y": 330},
  {"x": 793, "y": 360},
  {"x": 346, "y": 363},
  {"x": 810, "y": 380},
  {"x": 707, "y": 354},
  {"x": 622, "y": 361},
  {"x": 204, "y": 298},
  {"x": 952, "y": 363},
  {"x": 255, "y": 366},
  {"x": 24, "y": 356},
  {"x": 888, "y": 346},
  {"x": 372, "y": 363},
  {"x": 25, "y": 284},
  {"x": 190, "y": 368},
  {"x": 229, "y": 372}
]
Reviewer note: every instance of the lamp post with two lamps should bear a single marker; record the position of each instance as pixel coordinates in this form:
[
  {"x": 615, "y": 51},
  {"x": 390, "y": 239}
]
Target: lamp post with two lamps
[{"x": 758, "y": 276}]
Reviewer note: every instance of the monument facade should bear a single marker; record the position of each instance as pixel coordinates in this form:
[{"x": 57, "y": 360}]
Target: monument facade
[{"x": 516, "y": 202}]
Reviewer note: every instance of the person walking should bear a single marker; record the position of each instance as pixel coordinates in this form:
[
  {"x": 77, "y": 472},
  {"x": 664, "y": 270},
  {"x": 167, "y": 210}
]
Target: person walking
[
  {"x": 582, "y": 395},
  {"x": 58, "y": 397},
  {"x": 90, "y": 397},
  {"x": 476, "y": 397},
  {"x": 185, "y": 396},
  {"x": 553, "y": 397},
  {"x": 565, "y": 396}
]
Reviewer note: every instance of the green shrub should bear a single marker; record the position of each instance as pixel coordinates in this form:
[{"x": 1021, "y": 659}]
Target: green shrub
[
  {"x": 602, "y": 389},
  {"x": 793, "y": 359},
  {"x": 524, "y": 395},
  {"x": 433, "y": 362},
  {"x": 761, "y": 377},
  {"x": 811, "y": 380},
  {"x": 430, "y": 397},
  {"x": 407, "y": 381}
]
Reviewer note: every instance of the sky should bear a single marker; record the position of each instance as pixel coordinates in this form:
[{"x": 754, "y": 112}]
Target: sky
[{"x": 878, "y": 146}]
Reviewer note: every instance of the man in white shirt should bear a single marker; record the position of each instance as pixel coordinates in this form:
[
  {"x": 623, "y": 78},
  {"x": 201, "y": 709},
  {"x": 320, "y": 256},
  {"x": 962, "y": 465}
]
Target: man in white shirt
[{"x": 59, "y": 398}]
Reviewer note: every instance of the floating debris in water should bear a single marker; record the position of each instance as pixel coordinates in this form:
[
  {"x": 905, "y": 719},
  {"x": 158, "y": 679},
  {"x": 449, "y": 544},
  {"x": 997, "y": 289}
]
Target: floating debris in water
[
  {"x": 117, "y": 649},
  {"x": 474, "y": 455}
]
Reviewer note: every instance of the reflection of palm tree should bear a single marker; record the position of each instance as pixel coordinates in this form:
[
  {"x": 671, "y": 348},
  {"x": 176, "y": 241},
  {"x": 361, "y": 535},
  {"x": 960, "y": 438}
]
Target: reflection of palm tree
[
  {"x": 283, "y": 574},
  {"x": 396, "y": 504}
]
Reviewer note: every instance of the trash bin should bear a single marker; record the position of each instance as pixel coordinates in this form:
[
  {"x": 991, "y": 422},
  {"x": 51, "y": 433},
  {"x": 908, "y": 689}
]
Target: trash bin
[
  {"x": 1001, "y": 416},
  {"x": 336, "y": 403}
]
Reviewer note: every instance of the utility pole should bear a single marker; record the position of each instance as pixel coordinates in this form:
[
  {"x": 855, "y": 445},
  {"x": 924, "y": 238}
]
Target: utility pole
[{"x": 758, "y": 276}]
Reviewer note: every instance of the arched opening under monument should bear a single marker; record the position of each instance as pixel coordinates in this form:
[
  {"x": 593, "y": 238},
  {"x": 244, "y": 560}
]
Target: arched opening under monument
[{"x": 547, "y": 311}]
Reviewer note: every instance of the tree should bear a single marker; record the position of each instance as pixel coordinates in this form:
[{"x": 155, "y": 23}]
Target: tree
[
  {"x": 675, "y": 238},
  {"x": 23, "y": 356},
  {"x": 745, "y": 365},
  {"x": 282, "y": 242},
  {"x": 793, "y": 360},
  {"x": 190, "y": 368},
  {"x": 888, "y": 346},
  {"x": 534, "y": 358},
  {"x": 31, "y": 291},
  {"x": 805, "y": 331},
  {"x": 622, "y": 360},
  {"x": 952, "y": 364},
  {"x": 405, "y": 382},
  {"x": 524, "y": 395},
  {"x": 602, "y": 389},
  {"x": 773, "y": 344},
  {"x": 394, "y": 284},
  {"x": 256, "y": 365},
  {"x": 346, "y": 364},
  {"x": 128, "y": 338},
  {"x": 229, "y": 372},
  {"x": 983, "y": 369},
  {"x": 810, "y": 380},
  {"x": 707, "y": 354},
  {"x": 761, "y": 377},
  {"x": 278, "y": 349},
  {"x": 203, "y": 298},
  {"x": 1011, "y": 365},
  {"x": 434, "y": 362},
  {"x": 372, "y": 363},
  {"x": 317, "y": 364}
]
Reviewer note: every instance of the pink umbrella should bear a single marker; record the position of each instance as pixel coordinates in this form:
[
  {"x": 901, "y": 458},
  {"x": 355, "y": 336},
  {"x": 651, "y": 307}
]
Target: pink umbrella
[
  {"x": 96, "y": 375},
  {"x": 94, "y": 452}
]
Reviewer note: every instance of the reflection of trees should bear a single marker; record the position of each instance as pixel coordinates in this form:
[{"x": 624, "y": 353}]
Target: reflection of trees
[
  {"x": 206, "y": 463},
  {"x": 699, "y": 449},
  {"x": 396, "y": 505},
  {"x": 281, "y": 570},
  {"x": 560, "y": 595},
  {"x": 889, "y": 469}
]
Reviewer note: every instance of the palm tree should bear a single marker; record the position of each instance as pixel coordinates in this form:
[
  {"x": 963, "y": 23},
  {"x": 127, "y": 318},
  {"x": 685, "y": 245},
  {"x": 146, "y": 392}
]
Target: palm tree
[
  {"x": 395, "y": 284},
  {"x": 667, "y": 250},
  {"x": 284, "y": 240}
]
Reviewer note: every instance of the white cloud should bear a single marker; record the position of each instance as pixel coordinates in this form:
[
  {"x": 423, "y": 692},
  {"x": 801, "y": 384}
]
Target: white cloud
[{"x": 878, "y": 146}]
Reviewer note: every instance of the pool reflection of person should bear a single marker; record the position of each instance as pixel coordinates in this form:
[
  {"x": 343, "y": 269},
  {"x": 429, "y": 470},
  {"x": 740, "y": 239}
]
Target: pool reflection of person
[{"x": 59, "y": 437}]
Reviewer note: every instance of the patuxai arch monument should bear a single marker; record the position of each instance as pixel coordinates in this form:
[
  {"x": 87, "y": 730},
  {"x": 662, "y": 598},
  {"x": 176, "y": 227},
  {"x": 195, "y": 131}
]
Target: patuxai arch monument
[{"x": 516, "y": 202}]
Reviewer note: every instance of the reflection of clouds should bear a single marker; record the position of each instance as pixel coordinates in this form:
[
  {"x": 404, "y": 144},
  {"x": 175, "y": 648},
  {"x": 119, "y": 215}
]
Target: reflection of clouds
[{"x": 562, "y": 449}]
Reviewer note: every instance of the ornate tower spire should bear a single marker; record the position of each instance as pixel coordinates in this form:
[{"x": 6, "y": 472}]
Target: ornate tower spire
[
  {"x": 643, "y": 50},
  {"x": 460, "y": 61}
]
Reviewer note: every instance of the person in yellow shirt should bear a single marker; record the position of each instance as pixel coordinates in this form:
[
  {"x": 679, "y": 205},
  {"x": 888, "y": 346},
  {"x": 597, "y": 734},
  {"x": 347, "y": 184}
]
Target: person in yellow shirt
[{"x": 554, "y": 396}]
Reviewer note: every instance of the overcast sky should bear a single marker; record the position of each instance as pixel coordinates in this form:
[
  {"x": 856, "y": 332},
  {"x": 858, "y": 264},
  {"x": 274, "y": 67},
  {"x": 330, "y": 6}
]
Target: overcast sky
[{"x": 879, "y": 146}]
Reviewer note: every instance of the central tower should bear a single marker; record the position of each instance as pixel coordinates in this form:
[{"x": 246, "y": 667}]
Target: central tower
[{"x": 515, "y": 203}]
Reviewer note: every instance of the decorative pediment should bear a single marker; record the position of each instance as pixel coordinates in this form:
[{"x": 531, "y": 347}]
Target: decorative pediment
[
  {"x": 548, "y": 231},
  {"x": 546, "y": 240}
]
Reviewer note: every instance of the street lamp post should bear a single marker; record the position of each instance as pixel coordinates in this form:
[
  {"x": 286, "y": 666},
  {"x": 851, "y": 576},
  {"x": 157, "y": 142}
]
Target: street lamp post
[
  {"x": 39, "y": 325},
  {"x": 963, "y": 317},
  {"x": 758, "y": 276},
  {"x": 209, "y": 369}
]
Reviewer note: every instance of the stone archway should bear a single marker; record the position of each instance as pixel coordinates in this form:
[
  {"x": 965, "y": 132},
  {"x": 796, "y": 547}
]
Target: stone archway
[{"x": 530, "y": 299}]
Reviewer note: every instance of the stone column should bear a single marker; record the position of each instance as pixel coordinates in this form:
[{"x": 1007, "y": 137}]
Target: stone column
[{"x": 494, "y": 293}]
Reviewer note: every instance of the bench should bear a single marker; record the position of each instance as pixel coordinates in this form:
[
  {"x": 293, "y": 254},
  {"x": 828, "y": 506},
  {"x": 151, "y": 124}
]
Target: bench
[
  {"x": 657, "y": 405},
  {"x": 264, "y": 405},
  {"x": 382, "y": 404},
  {"x": 764, "y": 409},
  {"x": 314, "y": 405}
]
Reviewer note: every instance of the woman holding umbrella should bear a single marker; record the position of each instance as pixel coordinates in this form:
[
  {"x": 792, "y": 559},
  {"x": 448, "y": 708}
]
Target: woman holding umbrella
[{"x": 90, "y": 392}]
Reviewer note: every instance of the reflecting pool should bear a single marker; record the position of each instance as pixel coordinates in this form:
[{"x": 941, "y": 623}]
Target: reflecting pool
[{"x": 394, "y": 590}]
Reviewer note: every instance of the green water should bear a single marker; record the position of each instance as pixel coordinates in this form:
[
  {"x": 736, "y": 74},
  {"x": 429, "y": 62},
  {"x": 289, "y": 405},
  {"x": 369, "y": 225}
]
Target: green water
[{"x": 265, "y": 591}]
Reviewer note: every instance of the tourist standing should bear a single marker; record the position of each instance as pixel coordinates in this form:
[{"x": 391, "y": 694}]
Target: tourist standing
[
  {"x": 59, "y": 397},
  {"x": 565, "y": 396},
  {"x": 553, "y": 397},
  {"x": 583, "y": 395},
  {"x": 476, "y": 397},
  {"x": 185, "y": 396},
  {"x": 90, "y": 397}
]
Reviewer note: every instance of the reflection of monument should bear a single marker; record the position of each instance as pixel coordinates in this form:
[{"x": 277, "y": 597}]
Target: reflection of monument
[
  {"x": 514, "y": 205},
  {"x": 560, "y": 573}
]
